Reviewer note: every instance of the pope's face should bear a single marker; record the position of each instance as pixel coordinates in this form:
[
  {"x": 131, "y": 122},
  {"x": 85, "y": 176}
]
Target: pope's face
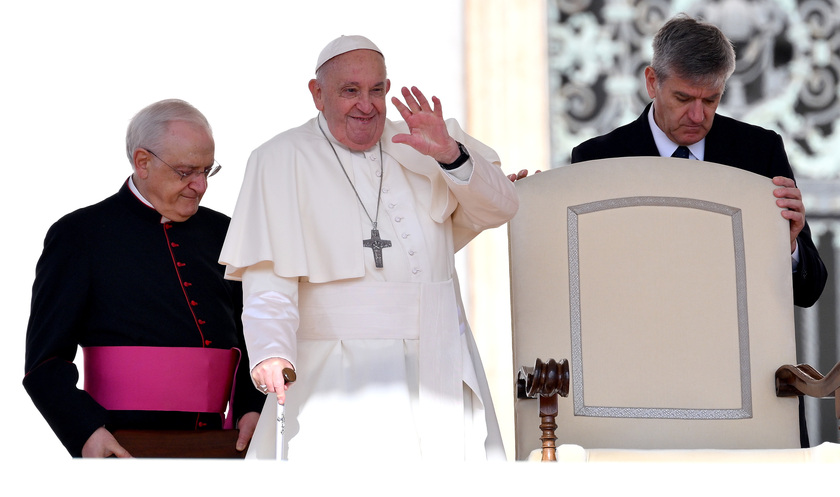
[
  {"x": 351, "y": 95},
  {"x": 186, "y": 147},
  {"x": 683, "y": 110}
]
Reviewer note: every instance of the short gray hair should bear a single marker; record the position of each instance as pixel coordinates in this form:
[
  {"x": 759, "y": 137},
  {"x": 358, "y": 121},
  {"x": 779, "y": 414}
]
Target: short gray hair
[
  {"x": 148, "y": 127},
  {"x": 692, "y": 50}
]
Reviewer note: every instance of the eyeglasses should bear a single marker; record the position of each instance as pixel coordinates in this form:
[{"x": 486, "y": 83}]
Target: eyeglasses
[{"x": 207, "y": 171}]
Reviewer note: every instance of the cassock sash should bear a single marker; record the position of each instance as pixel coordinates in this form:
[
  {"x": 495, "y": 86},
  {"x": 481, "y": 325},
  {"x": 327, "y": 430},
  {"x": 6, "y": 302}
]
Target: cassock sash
[
  {"x": 360, "y": 311},
  {"x": 188, "y": 379},
  {"x": 392, "y": 310}
]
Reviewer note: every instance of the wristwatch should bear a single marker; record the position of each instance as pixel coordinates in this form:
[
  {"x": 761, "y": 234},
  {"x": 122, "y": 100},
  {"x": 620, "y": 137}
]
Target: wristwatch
[{"x": 459, "y": 161}]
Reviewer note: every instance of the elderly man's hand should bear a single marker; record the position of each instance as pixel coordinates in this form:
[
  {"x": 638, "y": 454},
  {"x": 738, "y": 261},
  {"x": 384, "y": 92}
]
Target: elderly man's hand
[
  {"x": 789, "y": 198},
  {"x": 102, "y": 443},
  {"x": 268, "y": 377},
  {"x": 247, "y": 424},
  {"x": 521, "y": 174},
  {"x": 427, "y": 129}
]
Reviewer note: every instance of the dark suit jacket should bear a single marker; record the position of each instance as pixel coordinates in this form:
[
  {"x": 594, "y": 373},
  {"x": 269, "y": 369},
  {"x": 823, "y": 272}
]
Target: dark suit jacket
[{"x": 732, "y": 143}]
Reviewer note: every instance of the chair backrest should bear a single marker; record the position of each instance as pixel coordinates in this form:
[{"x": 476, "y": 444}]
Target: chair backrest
[{"x": 666, "y": 284}]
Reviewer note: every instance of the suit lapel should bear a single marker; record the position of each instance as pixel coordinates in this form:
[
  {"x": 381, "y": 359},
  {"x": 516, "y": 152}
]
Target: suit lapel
[
  {"x": 716, "y": 151},
  {"x": 646, "y": 144}
]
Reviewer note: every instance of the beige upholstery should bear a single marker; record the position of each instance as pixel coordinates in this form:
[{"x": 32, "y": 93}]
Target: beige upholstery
[{"x": 666, "y": 285}]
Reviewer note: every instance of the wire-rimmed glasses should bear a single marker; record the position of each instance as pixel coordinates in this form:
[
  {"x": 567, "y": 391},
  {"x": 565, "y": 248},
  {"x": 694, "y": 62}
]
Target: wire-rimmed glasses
[{"x": 207, "y": 171}]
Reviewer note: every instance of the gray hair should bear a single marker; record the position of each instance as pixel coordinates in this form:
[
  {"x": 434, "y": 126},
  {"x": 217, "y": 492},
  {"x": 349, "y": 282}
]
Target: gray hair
[
  {"x": 148, "y": 127},
  {"x": 692, "y": 50}
]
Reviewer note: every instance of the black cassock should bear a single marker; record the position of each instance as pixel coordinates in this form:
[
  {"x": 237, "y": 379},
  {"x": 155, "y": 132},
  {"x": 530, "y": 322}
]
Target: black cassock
[{"x": 113, "y": 274}]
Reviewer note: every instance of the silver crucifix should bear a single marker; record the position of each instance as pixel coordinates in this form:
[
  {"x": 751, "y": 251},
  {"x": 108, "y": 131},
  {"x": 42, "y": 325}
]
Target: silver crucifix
[{"x": 376, "y": 244}]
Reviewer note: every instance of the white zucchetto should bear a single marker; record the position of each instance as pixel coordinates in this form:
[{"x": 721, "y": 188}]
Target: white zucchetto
[{"x": 344, "y": 44}]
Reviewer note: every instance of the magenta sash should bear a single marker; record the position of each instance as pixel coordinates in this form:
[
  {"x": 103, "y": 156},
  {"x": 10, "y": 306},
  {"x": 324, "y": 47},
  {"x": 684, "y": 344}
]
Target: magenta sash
[{"x": 188, "y": 379}]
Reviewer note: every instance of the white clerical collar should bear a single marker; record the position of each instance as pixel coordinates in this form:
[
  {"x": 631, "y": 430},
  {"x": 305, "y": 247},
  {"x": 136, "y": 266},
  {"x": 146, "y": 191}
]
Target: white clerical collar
[
  {"x": 666, "y": 147},
  {"x": 137, "y": 193},
  {"x": 140, "y": 197}
]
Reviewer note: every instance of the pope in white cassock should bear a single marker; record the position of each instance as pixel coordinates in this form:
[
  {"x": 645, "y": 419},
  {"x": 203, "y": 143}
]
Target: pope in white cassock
[{"x": 344, "y": 237}]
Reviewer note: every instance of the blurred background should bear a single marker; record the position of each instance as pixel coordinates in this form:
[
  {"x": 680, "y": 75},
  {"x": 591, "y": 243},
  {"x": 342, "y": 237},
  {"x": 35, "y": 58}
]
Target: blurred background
[{"x": 531, "y": 78}]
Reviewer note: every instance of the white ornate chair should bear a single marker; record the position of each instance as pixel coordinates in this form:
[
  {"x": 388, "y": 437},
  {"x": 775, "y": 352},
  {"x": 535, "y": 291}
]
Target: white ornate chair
[{"x": 658, "y": 292}]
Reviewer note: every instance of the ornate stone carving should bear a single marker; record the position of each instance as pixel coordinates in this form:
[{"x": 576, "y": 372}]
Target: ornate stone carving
[{"x": 786, "y": 79}]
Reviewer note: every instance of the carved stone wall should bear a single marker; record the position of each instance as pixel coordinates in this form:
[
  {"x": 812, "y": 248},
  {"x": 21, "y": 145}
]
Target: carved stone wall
[{"x": 788, "y": 65}]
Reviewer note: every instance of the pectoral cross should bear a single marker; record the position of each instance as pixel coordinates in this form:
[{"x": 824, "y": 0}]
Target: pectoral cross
[{"x": 376, "y": 244}]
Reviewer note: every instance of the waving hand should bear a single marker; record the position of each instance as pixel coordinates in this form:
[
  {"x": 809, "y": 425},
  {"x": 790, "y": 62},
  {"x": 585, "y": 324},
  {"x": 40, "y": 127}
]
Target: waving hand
[{"x": 427, "y": 129}]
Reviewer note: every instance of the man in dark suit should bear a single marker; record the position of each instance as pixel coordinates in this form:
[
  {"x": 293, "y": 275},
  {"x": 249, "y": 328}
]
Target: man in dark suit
[{"x": 686, "y": 79}]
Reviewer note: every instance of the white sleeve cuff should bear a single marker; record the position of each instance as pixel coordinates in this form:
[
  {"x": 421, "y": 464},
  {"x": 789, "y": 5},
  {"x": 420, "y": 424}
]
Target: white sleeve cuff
[
  {"x": 462, "y": 173},
  {"x": 794, "y": 257}
]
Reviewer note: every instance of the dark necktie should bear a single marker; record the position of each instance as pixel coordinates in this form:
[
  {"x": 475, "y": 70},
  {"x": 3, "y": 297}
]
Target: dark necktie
[{"x": 681, "y": 152}]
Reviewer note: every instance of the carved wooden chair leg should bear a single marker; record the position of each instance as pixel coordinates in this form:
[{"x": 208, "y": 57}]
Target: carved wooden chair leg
[
  {"x": 545, "y": 381},
  {"x": 548, "y": 425},
  {"x": 805, "y": 380}
]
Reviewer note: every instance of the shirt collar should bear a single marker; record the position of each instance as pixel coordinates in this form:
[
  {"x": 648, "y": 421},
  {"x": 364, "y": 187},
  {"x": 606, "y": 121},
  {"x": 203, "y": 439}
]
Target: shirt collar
[
  {"x": 666, "y": 147},
  {"x": 140, "y": 197},
  {"x": 137, "y": 193}
]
